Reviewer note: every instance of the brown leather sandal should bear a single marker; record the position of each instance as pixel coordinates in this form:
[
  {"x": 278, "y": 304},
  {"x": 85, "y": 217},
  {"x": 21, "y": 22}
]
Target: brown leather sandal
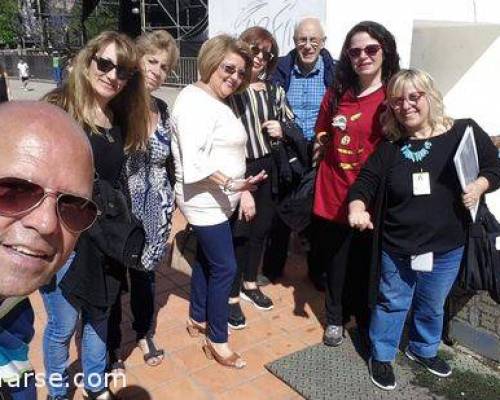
[
  {"x": 194, "y": 328},
  {"x": 233, "y": 361}
]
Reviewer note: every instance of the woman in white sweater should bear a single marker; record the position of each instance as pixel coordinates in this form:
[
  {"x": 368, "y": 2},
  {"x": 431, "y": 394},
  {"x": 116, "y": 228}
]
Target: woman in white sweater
[{"x": 208, "y": 146}]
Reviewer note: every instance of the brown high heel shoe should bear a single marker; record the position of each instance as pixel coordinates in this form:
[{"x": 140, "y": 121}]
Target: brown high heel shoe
[
  {"x": 194, "y": 328},
  {"x": 233, "y": 361}
]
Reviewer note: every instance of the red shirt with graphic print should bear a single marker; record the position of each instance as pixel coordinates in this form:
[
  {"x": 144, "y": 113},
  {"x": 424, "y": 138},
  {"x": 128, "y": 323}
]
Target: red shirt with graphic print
[{"x": 355, "y": 131}]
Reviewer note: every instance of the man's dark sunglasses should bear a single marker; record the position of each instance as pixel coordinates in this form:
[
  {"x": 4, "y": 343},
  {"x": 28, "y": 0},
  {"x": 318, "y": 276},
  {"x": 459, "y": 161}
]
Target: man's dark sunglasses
[
  {"x": 105, "y": 65},
  {"x": 20, "y": 196}
]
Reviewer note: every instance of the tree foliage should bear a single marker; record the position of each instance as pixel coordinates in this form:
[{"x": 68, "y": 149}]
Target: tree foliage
[{"x": 10, "y": 26}]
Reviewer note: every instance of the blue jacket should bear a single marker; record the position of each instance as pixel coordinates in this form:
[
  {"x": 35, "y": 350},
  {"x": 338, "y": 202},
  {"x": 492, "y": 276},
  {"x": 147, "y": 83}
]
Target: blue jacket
[{"x": 283, "y": 71}]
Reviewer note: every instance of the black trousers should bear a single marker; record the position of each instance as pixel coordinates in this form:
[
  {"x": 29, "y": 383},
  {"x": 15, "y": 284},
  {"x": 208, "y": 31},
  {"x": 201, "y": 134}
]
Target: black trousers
[
  {"x": 249, "y": 237},
  {"x": 345, "y": 253},
  {"x": 276, "y": 251},
  {"x": 142, "y": 294}
]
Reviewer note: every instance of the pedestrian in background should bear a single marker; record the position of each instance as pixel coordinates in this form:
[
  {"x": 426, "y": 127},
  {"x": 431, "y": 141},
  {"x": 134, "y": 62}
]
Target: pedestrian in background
[
  {"x": 57, "y": 68},
  {"x": 24, "y": 72}
]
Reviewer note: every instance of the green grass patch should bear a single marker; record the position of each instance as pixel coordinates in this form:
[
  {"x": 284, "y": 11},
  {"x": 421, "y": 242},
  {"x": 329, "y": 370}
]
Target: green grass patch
[{"x": 460, "y": 385}]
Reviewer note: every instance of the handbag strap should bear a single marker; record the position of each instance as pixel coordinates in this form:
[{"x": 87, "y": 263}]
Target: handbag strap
[{"x": 271, "y": 101}]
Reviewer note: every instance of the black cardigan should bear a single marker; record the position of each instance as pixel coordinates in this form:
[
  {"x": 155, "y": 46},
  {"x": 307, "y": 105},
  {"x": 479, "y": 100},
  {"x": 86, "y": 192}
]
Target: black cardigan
[
  {"x": 370, "y": 187},
  {"x": 94, "y": 280}
]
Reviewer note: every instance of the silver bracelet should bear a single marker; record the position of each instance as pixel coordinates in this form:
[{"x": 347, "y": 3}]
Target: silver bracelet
[{"x": 228, "y": 186}]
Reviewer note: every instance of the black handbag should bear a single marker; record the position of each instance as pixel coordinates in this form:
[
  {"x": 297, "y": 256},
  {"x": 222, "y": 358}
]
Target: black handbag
[
  {"x": 480, "y": 269},
  {"x": 295, "y": 209},
  {"x": 117, "y": 232}
]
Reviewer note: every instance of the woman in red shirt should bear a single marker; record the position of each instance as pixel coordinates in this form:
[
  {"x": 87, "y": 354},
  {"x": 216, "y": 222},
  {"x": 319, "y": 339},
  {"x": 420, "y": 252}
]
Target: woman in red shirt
[{"x": 349, "y": 119}]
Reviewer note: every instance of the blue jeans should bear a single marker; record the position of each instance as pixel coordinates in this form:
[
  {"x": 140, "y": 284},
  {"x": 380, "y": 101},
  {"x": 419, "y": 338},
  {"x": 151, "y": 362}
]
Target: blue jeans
[
  {"x": 400, "y": 288},
  {"x": 212, "y": 277},
  {"x": 62, "y": 318}
]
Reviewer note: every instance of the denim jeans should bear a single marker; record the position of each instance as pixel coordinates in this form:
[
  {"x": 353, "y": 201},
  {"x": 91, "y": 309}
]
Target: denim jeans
[
  {"x": 212, "y": 277},
  {"x": 401, "y": 288},
  {"x": 142, "y": 304},
  {"x": 62, "y": 318}
]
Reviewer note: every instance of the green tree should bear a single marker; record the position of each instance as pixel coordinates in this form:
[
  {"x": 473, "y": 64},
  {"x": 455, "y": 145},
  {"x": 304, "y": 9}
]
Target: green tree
[
  {"x": 103, "y": 18},
  {"x": 9, "y": 23}
]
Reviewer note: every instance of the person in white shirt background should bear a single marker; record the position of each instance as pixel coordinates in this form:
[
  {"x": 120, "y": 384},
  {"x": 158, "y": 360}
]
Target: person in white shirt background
[{"x": 24, "y": 73}]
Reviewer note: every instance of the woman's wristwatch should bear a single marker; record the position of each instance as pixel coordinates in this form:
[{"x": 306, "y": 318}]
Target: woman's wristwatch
[{"x": 228, "y": 186}]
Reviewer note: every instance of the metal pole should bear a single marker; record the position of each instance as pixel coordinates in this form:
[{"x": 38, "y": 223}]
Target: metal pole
[
  {"x": 143, "y": 16},
  {"x": 177, "y": 17},
  {"x": 40, "y": 21}
]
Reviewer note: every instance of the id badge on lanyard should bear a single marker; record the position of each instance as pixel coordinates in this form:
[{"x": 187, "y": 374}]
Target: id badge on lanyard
[{"x": 421, "y": 183}]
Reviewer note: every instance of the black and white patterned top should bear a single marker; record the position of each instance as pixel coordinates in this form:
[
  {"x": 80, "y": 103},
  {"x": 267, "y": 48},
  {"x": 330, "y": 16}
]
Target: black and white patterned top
[{"x": 150, "y": 189}]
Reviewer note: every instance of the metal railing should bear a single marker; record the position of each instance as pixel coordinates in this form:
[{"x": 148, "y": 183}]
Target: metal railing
[
  {"x": 41, "y": 68},
  {"x": 185, "y": 73},
  {"x": 40, "y": 64}
]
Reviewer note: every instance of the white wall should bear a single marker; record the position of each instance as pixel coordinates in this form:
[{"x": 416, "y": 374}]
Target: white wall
[
  {"x": 457, "y": 41},
  {"x": 278, "y": 16}
]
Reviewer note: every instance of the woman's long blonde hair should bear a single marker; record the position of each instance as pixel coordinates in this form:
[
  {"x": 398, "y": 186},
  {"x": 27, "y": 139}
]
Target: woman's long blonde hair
[
  {"x": 130, "y": 107},
  {"x": 422, "y": 81}
]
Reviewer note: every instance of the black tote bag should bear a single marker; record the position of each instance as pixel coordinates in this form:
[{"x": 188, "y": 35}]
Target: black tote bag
[{"x": 481, "y": 262}]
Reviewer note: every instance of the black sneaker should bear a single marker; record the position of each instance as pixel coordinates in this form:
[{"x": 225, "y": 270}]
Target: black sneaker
[
  {"x": 236, "y": 319},
  {"x": 259, "y": 299},
  {"x": 382, "y": 374},
  {"x": 434, "y": 365}
]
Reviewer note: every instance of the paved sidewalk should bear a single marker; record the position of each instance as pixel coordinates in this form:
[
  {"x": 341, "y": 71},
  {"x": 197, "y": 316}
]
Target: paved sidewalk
[
  {"x": 36, "y": 89},
  {"x": 186, "y": 374}
]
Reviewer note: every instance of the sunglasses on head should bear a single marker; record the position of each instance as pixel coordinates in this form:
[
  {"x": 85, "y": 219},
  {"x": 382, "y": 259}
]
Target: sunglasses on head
[
  {"x": 20, "y": 196},
  {"x": 412, "y": 99},
  {"x": 266, "y": 55},
  {"x": 370, "y": 50},
  {"x": 231, "y": 69},
  {"x": 105, "y": 65}
]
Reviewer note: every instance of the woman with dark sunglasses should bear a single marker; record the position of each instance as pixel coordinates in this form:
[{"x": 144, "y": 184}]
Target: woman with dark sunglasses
[
  {"x": 209, "y": 152},
  {"x": 148, "y": 179},
  {"x": 348, "y": 124},
  {"x": 263, "y": 109},
  {"x": 106, "y": 94}
]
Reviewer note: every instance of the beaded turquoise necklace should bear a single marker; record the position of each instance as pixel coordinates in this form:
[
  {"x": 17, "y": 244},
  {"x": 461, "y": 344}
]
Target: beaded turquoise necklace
[{"x": 416, "y": 156}]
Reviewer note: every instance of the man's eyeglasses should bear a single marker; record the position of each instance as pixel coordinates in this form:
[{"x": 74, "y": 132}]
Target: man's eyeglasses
[
  {"x": 314, "y": 42},
  {"x": 20, "y": 196},
  {"x": 370, "y": 50},
  {"x": 266, "y": 55},
  {"x": 231, "y": 69},
  {"x": 105, "y": 65},
  {"x": 412, "y": 99}
]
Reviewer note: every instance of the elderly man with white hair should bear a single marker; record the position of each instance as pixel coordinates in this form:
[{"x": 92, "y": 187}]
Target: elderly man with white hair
[{"x": 305, "y": 73}]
